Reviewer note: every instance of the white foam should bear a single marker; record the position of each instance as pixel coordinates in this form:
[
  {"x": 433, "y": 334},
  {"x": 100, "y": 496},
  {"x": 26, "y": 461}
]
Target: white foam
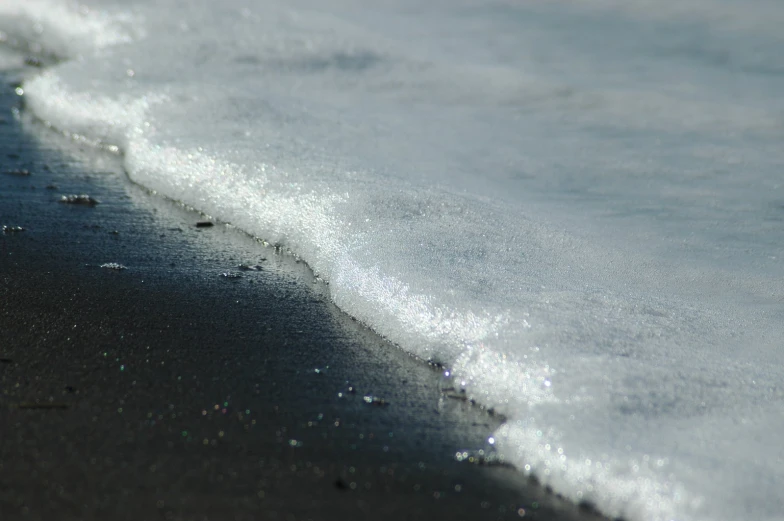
[
  {"x": 67, "y": 29},
  {"x": 577, "y": 208}
]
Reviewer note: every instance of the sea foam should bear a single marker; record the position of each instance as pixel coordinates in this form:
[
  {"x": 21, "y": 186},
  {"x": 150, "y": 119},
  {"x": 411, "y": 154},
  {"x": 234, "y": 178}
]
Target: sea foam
[{"x": 576, "y": 207}]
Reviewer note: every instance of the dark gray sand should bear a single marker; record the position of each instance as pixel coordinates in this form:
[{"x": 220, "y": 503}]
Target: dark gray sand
[{"x": 185, "y": 387}]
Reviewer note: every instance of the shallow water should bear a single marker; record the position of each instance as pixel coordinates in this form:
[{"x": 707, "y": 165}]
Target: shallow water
[{"x": 575, "y": 207}]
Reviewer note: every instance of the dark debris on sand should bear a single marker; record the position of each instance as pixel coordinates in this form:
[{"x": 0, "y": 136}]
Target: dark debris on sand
[
  {"x": 13, "y": 229},
  {"x": 82, "y": 199},
  {"x": 18, "y": 172},
  {"x": 375, "y": 401}
]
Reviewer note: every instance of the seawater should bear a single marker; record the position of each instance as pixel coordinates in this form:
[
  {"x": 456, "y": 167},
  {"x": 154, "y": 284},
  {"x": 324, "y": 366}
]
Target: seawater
[{"x": 577, "y": 207}]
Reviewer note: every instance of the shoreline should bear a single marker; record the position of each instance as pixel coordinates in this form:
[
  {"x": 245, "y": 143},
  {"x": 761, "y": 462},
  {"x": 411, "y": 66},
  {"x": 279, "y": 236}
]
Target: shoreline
[{"x": 111, "y": 378}]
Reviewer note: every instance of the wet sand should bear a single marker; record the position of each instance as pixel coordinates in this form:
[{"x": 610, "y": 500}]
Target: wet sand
[{"x": 184, "y": 387}]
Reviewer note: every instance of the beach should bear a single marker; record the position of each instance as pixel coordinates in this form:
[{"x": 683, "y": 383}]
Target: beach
[
  {"x": 153, "y": 366},
  {"x": 365, "y": 259}
]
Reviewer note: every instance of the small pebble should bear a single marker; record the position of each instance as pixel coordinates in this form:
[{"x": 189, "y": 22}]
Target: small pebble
[
  {"x": 21, "y": 172},
  {"x": 83, "y": 199},
  {"x": 374, "y": 400},
  {"x": 113, "y": 266},
  {"x": 12, "y": 229}
]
